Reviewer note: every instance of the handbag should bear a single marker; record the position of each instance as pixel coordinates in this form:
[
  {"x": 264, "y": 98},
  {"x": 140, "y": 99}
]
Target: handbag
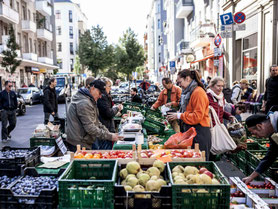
[{"x": 220, "y": 137}]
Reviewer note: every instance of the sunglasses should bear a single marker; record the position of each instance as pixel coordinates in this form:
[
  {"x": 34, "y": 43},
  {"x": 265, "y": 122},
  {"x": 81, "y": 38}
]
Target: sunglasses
[{"x": 10, "y": 86}]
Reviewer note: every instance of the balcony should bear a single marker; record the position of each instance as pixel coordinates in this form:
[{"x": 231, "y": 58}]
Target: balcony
[
  {"x": 8, "y": 15},
  {"x": 184, "y": 47},
  {"x": 184, "y": 8},
  {"x": 28, "y": 26},
  {"x": 202, "y": 35},
  {"x": 30, "y": 56},
  {"x": 43, "y": 7},
  {"x": 45, "y": 60},
  {"x": 44, "y": 35}
]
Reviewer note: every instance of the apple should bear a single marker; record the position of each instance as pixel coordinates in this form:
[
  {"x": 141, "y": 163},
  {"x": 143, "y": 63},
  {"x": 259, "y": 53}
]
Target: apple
[
  {"x": 209, "y": 174},
  {"x": 202, "y": 170}
]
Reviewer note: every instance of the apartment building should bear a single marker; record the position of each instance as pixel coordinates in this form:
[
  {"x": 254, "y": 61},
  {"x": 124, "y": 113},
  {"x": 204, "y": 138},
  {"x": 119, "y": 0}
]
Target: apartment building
[
  {"x": 33, "y": 24},
  {"x": 71, "y": 22}
]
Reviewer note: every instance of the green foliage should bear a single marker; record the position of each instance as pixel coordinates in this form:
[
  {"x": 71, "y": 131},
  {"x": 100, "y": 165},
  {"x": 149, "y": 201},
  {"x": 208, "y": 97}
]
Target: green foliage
[
  {"x": 94, "y": 51},
  {"x": 129, "y": 53},
  {"x": 77, "y": 65},
  {"x": 10, "y": 61}
]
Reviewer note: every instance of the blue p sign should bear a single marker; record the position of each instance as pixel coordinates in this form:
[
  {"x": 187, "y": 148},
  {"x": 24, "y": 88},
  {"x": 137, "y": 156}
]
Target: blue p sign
[{"x": 227, "y": 19}]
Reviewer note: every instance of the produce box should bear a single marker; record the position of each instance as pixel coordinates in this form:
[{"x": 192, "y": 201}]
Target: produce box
[
  {"x": 151, "y": 113},
  {"x": 153, "y": 127},
  {"x": 35, "y": 142},
  {"x": 176, "y": 155},
  {"x": 195, "y": 196},
  {"x": 88, "y": 184},
  {"x": 30, "y": 191},
  {"x": 133, "y": 105},
  {"x": 14, "y": 160},
  {"x": 160, "y": 198},
  {"x": 123, "y": 156}
]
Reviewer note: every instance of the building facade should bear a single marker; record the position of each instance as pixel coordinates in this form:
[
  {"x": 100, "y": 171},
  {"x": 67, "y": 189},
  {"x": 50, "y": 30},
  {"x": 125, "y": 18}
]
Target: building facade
[
  {"x": 33, "y": 25},
  {"x": 71, "y": 22}
]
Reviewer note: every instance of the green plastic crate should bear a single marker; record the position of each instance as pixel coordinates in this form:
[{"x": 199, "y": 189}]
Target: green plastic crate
[
  {"x": 133, "y": 105},
  {"x": 255, "y": 146},
  {"x": 155, "y": 113},
  {"x": 185, "y": 196},
  {"x": 35, "y": 142},
  {"x": 129, "y": 146},
  {"x": 76, "y": 190},
  {"x": 153, "y": 127}
]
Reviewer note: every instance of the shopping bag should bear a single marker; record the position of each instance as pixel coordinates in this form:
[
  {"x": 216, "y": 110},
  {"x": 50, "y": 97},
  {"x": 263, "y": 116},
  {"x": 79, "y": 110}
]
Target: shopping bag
[
  {"x": 181, "y": 140},
  {"x": 236, "y": 129},
  {"x": 220, "y": 137}
]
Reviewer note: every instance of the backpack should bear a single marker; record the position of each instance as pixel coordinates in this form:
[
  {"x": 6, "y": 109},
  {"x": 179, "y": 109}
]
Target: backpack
[{"x": 228, "y": 94}]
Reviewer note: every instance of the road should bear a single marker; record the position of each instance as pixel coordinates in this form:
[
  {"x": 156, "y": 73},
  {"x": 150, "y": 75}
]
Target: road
[{"x": 27, "y": 123}]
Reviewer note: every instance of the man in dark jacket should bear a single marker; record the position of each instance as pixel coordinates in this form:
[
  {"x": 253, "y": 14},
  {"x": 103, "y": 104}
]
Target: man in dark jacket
[
  {"x": 135, "y": 97},
  {"x": 145, "y": 85},
  {"x": 50, "y": 103},
  {"x": 106, "y": 115},
  {"x": 271, "y": 93},
  {"x": 8, "y": 106},
  {"x": 264, "y": 126}
]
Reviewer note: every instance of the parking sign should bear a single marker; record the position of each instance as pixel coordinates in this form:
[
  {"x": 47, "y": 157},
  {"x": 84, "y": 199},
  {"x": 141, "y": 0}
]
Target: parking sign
[{"x": 227, "y": 19}]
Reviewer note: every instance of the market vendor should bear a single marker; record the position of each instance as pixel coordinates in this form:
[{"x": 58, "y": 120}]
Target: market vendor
[
  {"x": 83, "y": 125},
  {"x": 194, "y": 111},
  {"x": 170, "y": 97},
  {"x": 264, "y": 126}
]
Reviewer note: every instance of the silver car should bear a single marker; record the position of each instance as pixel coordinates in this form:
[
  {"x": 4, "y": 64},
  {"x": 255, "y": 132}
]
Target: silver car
[{"x": 30, "y": 95}]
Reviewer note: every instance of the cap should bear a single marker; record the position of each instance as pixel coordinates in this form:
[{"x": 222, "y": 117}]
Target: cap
[
  {"x": 253, "y": 120},
  {"x": 100, "y": 85},
  {"x": 244, "y": 81}
]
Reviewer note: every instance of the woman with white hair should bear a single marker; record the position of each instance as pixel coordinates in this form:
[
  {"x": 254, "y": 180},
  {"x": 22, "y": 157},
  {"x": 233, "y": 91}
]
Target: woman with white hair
[
  {"x": 217, "y": 100},
  {"x": 106, "y": 114}
]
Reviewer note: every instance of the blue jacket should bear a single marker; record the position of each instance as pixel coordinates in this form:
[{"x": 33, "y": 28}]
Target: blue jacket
[{"x": 8, "y": 101}]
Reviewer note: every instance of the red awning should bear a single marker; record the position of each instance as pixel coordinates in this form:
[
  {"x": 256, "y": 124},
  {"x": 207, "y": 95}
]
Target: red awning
[{"x": 200, "y": 60}]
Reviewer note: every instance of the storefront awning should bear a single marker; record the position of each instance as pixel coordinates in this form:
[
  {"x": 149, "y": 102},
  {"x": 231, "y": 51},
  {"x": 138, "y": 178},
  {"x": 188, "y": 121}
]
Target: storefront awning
[{"x": 200, "y": 60}]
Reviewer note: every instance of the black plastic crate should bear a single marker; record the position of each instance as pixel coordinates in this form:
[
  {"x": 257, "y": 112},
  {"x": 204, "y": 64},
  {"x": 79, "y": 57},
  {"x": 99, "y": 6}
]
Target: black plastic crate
[
  {"x": 186, "y": 196},
  {"x": 47, "y": 199},
  {"x": 146, "y": 200},
  {"x": 14, "y": 166},
  {"x": 88, "y": 184}
]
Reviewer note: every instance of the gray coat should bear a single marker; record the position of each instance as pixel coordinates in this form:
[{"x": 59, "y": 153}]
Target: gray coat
[{"x": 83, "y": 125}]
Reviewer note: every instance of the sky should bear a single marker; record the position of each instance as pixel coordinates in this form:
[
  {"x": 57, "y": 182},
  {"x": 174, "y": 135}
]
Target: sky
[{"x": 115, "y": 16}]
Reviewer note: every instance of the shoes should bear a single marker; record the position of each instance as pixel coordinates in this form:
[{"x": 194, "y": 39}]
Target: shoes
[
  {"x": 4, "y": 140},
  {"x": 9, "y": 136}
]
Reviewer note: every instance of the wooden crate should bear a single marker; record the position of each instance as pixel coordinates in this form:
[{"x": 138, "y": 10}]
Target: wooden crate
[
  {"x": 120, "y": 160},
  {"x": 148, "y": 161}
]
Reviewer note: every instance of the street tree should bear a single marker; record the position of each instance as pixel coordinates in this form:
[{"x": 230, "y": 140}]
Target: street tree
[
  {"x": 129, "y": 53},
  {"x": 10, "y": 61},
  {"x": 94, "y": 51}
]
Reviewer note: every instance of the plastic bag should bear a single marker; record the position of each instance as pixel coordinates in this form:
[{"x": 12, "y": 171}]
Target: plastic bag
[{"x": 181, "y": 140}]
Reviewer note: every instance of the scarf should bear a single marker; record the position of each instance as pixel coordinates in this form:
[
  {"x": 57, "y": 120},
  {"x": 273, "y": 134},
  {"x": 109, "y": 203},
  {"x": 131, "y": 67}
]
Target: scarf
[
  {"x": 186, "y": 94},
  {"x": 217, "y": 98}
]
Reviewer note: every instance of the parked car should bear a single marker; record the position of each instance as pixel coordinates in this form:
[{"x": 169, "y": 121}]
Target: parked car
[{"x": 31, "y": 95}]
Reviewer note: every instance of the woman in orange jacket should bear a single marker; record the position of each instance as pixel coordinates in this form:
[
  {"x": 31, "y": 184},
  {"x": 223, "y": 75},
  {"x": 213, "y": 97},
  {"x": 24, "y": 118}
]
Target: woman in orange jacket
[{"x": 194, "y": 111}]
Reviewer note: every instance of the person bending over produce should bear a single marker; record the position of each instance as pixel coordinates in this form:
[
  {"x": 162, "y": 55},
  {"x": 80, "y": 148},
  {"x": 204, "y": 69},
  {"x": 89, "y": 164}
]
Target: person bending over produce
[
  {"x": 170, "y": 97},
  {"x": 264, "y": 126},
  {"x": 194, "y": 111},
  {"x": 83, "y": 118}
]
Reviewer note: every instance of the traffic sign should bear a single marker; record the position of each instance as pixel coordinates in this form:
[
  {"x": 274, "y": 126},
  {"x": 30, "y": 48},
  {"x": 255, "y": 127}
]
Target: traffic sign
[
  {"x": 217, "y": 40},
  {"x": 227, "y": 19},
  {"x": 239, "y": 27},
  {"x": 216, "y": 63},
  {"x": 239, "y": 17},
  {"x": 226, "y": 27},
  {"x": 172, "y": 64},
  {"x": 217, "y": 52},
  {"x": 226, "y": 34}
]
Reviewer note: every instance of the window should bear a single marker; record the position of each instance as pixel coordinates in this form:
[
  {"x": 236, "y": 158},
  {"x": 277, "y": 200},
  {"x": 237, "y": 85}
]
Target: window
[
  {"x": 70, "y": 16},
  {"x": 71, "y": 48},
  {"x": 71, "y": 64},
  {"x": 58, "y": 14},
  {"x": 35, "y": 46},
  {"x": 59, "y": 47},
  {"x": 31, "y": 45},
  {"x": 158, "y": 7},
  {"x": 59, "y": 30},
  {"x": 70, "y": 31},
  {"x": 60, "y": 64},
  {"x": 18, "y": 41},
  {"x": 24, "y": 13},
  {"x": 158, "y": 24},
  {"x": 159, "y": 42},
  {"x": 159, "y": 57},
  {"x": 29, "y": 15},
  {"x": 17, "y": 6}
]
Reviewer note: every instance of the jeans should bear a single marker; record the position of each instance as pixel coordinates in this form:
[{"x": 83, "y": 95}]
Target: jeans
[
  {"x": 47, "y": 116},
  {"x": 8, "y": 116},
  {"x": 102, "y": 145}
]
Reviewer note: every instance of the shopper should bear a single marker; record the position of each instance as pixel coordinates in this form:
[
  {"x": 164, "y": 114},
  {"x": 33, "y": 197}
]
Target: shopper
[
  {"x": 238, "y": 90},
  {"x": 216, "y": 99},
  {"x": 170, "y": 97},
  {"x": 194, "y": 111},
  {"x": 89, "y": 80},
  {"x": 271, "y": 91},
  {"x": 83, "y": 122},
  {"x": 8, "y": 106},
  {"x": 134, "y": 96},
  {"x": 50, "y": 103},
  {"x": 263, "y": 126},
  {"x": 145, "y": 85},
  {"x": 106, "y": 114}
]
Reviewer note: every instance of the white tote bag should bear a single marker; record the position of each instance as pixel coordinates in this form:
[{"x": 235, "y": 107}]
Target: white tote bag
[{"x": 220, "y": 137}]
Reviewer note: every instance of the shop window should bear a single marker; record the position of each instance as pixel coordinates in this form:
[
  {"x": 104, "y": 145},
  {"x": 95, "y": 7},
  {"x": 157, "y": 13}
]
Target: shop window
[{"x": 250, "y": 41}]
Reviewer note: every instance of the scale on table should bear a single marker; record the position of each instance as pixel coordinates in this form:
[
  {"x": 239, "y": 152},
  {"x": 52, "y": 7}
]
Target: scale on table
[{"x": 131, "y": 136}]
